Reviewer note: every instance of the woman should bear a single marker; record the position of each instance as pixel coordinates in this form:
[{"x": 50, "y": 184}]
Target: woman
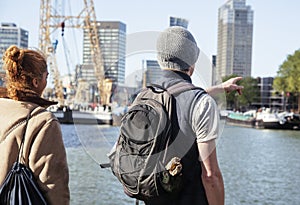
[{"x": 43, "y": 152}]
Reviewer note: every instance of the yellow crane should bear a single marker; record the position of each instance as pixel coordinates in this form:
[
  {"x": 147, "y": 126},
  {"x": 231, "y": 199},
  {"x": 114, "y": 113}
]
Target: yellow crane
[{"x": 50, "y": 21}]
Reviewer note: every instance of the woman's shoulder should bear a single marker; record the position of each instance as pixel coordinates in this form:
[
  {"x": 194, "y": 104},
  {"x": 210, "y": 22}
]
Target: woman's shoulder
[{"x": 43, "y": 114}]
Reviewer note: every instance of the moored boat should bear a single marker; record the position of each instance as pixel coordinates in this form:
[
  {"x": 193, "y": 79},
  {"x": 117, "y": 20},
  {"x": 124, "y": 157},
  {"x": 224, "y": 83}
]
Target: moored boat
[
  {"x": 241, "y": 119},
  {"x": 68, "y": 116},
  {"x": 265, "y": 119},
  {"x": 277, "y": 120}
]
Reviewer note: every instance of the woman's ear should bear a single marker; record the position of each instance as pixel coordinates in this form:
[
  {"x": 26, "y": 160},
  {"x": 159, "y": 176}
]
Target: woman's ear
[{"x": 35, "y": 82}]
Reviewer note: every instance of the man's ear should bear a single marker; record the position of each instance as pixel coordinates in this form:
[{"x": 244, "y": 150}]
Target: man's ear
[
  {"x": 35, "y": 82},
  {"x": 191, "y": 70}
]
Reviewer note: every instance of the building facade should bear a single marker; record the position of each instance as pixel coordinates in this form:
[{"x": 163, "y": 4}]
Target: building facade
[
  {"x": 235, "y": 31},
  {"x": 10, "y": 34},
  {"x": 268, "y": 98},
  {"x": 176, "y": 21},
  {"x": 112, "y": 36},
  {"x": 152, "y": 71}
]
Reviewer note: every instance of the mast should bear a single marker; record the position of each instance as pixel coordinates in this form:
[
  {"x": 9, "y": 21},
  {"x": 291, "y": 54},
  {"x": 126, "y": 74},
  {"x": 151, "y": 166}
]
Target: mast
[{"x": 50, "y": 21}]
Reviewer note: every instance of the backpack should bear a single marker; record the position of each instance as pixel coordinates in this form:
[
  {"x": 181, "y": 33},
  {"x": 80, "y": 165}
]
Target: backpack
[
  {"x": 20, "y": 185},
  {"x": 142, "y": 159}
]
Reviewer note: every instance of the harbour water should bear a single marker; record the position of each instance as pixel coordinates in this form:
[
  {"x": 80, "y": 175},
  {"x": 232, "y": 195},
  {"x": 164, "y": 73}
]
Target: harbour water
[{"x": 259, "y": 166}]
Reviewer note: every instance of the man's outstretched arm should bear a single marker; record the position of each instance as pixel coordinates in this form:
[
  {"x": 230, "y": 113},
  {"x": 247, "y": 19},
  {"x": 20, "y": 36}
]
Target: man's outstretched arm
[{"x": 227, "y": 86}]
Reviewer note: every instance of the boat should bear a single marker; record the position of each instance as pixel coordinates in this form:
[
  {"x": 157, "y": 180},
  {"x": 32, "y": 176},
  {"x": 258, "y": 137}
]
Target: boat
[
  {"x": 246, "y": 119},
  {"x": 292, "y": 120},
  {"x": 264, "y": 118},
  {"x": 267, "y": 119},
  {"x": 68, "y": 116}
]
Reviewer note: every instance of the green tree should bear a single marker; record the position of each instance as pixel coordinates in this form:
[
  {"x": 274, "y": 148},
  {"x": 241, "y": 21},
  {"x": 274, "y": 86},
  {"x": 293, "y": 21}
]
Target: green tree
[
  {"x": 250, "y": 91},
  {"x": 288, "y": 76}
]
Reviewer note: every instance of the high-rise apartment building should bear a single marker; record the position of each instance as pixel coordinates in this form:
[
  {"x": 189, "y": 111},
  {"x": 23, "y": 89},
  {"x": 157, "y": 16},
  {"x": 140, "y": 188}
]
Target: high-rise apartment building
[
  {"x": 112, "y": 36},
  {"x": 235, "y": 28},
  {"x": 10, "y": 34},
  {"x": 176, "y": 21},
  {"x": 152, "y": 71}
]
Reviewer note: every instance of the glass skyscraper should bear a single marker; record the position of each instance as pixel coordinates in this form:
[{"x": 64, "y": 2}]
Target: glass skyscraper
[
  {"x": 10, "y": 34},
  {"x": 176, "y": 21},
  {"x": 152, "y": 72},
  {"x": 112, "y": 36},
  {"x": 235, "y": 30}
]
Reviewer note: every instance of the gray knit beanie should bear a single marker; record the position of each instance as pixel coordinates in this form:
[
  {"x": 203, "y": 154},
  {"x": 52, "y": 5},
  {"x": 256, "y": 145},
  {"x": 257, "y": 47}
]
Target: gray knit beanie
[{"x": 176, "y": 48}]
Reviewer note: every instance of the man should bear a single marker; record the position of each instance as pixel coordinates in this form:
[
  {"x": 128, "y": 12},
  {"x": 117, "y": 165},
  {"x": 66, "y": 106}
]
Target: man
[{"x": 198, "y": 119}]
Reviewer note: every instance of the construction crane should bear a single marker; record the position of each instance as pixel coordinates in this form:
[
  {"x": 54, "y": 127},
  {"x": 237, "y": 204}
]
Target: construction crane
[{"x": 51, "y": 21}]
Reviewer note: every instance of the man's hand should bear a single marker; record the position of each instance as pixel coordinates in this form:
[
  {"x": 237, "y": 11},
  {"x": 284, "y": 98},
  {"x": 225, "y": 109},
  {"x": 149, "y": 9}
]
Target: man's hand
[{"x": 230, "y": 85}]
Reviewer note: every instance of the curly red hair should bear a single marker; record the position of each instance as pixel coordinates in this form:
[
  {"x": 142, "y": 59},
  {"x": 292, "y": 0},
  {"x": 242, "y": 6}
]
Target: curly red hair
[{"x": 22, "y": 65}]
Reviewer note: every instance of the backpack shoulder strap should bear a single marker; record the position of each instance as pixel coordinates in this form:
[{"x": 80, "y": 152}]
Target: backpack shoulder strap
[{"x": 178, "y": 88}]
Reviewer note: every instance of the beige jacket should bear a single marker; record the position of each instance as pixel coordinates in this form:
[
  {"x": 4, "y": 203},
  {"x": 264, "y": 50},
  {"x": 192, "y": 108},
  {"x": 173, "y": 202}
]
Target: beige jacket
[{"x": 43, "y": 152}]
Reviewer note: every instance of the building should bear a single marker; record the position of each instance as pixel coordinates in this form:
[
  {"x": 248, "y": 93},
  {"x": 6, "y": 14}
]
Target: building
[
  {"x": 268, "y": 98},
  {"x": 85, "y": 72},
  {"x": 175, "y": 21},
  {"x": 235, "y": 30},
  {"x": 152, "y": 71},
  {"x": 10, "y": 34},
  {"x": 112, "y": 36},
  {"x": 265, "y": 85}
]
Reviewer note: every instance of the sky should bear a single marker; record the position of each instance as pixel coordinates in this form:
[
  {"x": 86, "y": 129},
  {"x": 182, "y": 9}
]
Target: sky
[{"x": 276, "y": 27}]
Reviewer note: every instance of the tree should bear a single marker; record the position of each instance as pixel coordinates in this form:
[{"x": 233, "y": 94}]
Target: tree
[
  {"x": 288, "y": 76},
  {"x": 250, "y": 92}
]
